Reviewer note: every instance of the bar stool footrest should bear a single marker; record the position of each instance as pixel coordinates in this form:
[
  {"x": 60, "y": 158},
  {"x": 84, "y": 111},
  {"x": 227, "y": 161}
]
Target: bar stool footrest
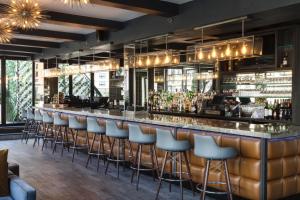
[
  {"x": 116, "y": 160},
  {"x": 198, "y": 187}
]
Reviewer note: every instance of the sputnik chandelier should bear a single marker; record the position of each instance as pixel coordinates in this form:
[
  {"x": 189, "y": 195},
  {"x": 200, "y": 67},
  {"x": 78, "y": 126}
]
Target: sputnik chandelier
[
  {"x": 5, "y": 31},
  {"x": 25, "y": 14},
  {"x": 76, "y": 2}
]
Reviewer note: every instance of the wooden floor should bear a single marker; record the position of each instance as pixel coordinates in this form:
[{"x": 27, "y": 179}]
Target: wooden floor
[{"x": 56, "y": 177}]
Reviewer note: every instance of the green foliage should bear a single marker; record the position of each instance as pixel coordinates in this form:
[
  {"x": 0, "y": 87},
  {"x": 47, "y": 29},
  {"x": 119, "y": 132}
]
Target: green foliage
[{"x": 19, "y": 88}]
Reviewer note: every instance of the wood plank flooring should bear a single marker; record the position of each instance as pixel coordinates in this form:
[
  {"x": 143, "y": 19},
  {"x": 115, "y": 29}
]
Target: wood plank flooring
[{"x": 57, "y": 178}]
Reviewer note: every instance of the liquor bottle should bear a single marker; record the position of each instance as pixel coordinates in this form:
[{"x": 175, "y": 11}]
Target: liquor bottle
[
  {"x": 270, "y": 111},
  {"x": 285, "y": 60},
  {"x": 266, "y": 110}
]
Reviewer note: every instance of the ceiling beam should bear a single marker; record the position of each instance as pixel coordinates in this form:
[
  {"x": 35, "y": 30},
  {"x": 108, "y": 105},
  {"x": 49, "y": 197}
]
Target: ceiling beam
[
  {"x": 21, "y": 49},
  {"x": 16, "y": 54},
  {"x": 51, "y": 34},
  {"x": 33, "y": 43},
  {"x": 81, "y": 21},
  {"x": 161, "y": 8}
]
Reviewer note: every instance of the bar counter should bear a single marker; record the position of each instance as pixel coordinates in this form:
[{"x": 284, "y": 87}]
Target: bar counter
[{"x": 268, "y": 165}]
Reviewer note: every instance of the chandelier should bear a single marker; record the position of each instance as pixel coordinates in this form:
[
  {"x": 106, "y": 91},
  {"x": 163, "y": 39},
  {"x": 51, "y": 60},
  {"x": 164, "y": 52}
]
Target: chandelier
[
  {"x": 155, "y": 59},
  {"x": 25, "y": 14},
  {"x": 5, "y": 31},
  {"x": 76, "y": 2},
  {"x": 110, "y": 64},
  {"x": 237, "y": 48}
]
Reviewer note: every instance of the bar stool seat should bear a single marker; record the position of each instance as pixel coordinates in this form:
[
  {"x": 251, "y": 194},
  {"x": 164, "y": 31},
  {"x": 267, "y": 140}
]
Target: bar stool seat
[
  {"x": 174, "y": 149},
  {"x": 206, "y": 147},
  {"x": 137, "y": 136},
  {"x": 94, "y": 127},
  {"x": 173, "y": 145},
  {"x": 75, "y": 124}
]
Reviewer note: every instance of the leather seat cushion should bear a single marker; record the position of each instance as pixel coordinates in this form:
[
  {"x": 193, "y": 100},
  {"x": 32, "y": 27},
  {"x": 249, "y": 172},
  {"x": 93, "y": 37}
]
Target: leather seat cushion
[{"x": 4, "y": 189}]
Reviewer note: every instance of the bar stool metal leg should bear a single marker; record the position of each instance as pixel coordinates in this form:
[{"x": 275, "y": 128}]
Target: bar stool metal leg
[
  {"x": 110, "y": 155},
  {"x": 205, "y": 179},
  {"x": 161, "y": 175},
  {"x": 189, "y": 172},
  {"x": 75, "y": 144},
  {"x": 228, "y": 184},
  {"x": 90, "y": 151}
]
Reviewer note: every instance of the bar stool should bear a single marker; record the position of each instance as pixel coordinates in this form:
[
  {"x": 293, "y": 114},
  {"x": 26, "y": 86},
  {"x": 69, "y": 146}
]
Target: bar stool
[
  {"x": 167, "y": 142},
  {"x": 48, "y": 124},
  {"x": 76, "y": 125},
  {"x": 206, "y": 147},
  {"x": 137, "y": 136},
  {"x": 38, "y": 120},
  {"x": 118, "y": 134},
  {"x": 94, "y": 127},
  {"x": 61, "y": 132},
  {"x": 29, "y": 118}
]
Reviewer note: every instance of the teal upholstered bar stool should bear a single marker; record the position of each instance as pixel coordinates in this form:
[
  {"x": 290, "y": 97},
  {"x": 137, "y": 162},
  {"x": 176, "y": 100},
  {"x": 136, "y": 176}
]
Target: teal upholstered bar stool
[
  {"x": 61, "y": 132},
  {"x": 119, "y": 135},
  {"x": 48, "y": 129},
  {"x": 138, "y": 137},
  {"x": 97, "y": 130},
  {"x": 175, "y": 150},
  {"x": 38, "y": 120},
  {"x": 76, "y": 125},
  {"x": 206, "y": 147}
]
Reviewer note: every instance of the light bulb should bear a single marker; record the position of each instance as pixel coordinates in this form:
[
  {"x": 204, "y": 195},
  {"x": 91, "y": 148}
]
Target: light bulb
[
  {"x": 214, "y": 52},
  {"x": 228, "y": 50},
  {"x": 200, "y": 54},
  {"x": 157, "y": 60},
  {"x": 140, "y": 63},
  {"x": 148, "y": 61},
  {"x": 236, "y": 53},
  {"x": 175, "y": 60},
  {"x": 222, "y": 55},
  {"x": 244, "y": 49},
  {"x": 167, "y": 59},
  {"x": 209, "y": 56}
]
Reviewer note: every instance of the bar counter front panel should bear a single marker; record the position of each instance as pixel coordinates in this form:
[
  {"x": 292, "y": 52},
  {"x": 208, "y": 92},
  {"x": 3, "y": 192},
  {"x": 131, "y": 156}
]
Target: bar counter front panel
[{"x": 268, "y": 165}]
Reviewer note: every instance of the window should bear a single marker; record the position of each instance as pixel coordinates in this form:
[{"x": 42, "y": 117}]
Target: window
[
  {"x": 82, "y": 85},
  {"x": 63, "y": 82},
  {"x": 18, "y": 89}
]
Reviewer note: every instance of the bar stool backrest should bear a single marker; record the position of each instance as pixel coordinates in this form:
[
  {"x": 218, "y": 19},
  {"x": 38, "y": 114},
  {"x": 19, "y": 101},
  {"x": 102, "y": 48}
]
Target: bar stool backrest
[
  {"x": 74, "y": 123},
  {"x": 47, "y": 118},
  {"x": 135, "y": 132},
  {"x": 112, "y": 130},
  {"x": 205, "y": 146},
  {"x": 93, "y": 126},
  {"x": 29, "y": 114},
  {"x": 164, "y": 138},
  {"x": 58, "y": 121},
  {"x": 38, "y": 116}
]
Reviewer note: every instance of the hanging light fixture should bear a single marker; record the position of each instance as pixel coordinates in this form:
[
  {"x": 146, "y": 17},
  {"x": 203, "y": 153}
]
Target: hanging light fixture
[
  {"x": 5, "y": 31},
  {"x": 76, "y": 2},
  {"x": 25, "y": 14}
]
